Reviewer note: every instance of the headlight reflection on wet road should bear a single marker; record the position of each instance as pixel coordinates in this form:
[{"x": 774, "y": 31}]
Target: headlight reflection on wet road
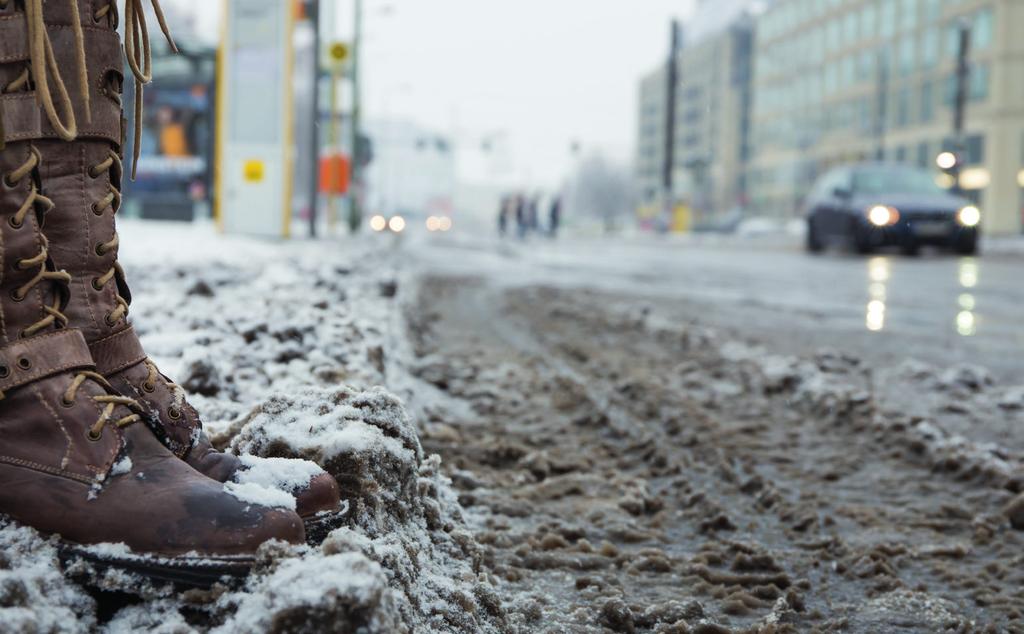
[
  {"x": 966, "y": 322},
  {"x": 878, "y": 275}
]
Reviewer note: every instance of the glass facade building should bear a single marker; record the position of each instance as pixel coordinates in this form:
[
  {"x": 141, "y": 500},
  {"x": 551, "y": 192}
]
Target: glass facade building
[{"x": 837, "y": 81}]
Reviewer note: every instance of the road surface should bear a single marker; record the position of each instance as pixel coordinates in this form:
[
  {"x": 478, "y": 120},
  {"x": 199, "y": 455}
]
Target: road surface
[
  {"x": 648, "y": 437},
  {"x": 938, "y": 308}
]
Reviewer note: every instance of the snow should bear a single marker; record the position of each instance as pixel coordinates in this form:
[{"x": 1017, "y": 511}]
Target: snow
[
  {"x": 34, "y": 595},
  {"x": 122, "y": 466},
  {"x": 289, "y": 350},
  {"x": 277, "y": 473},
  {"x": 280, "y": 346},
  {"x": 348, "y": 587},
  {"x": 253, "y": 493}
]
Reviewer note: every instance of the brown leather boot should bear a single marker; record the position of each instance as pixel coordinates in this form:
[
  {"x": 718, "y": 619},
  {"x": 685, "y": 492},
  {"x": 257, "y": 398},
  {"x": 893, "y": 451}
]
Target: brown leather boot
[
  {"x": 84, "y": 180},
  {"x": 75, "y": 458}
]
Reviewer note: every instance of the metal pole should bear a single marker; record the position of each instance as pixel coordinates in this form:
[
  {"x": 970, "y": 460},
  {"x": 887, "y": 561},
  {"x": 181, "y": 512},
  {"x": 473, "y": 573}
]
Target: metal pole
[
  {"x": 334, "y": 142},
  {"x": 670, "y": 114},
  {"x": 355, "y": 215},
  {"x": 882, "y": 104},
  {"x": 963, "y": 71},
  {"x": 314, "y": 130}
]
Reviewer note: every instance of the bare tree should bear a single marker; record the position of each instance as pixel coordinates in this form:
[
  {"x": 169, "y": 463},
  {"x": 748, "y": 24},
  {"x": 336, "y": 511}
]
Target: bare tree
[{"x": 605, "y": 190}]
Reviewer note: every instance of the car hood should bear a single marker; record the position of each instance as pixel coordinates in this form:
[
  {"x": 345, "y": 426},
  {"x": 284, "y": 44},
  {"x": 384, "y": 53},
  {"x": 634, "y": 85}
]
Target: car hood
[{"x": 910, "y": 203}]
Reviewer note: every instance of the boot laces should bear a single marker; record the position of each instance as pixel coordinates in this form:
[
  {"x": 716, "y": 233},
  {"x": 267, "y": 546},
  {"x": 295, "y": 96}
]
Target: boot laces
[
  {"x": 43, "y": 64},
  {"x": 111, "y": 201},
  {"x": 35, "y": 201},
  {"x": 150, "y": 384},
  {"x": 140, "y": 58},
  {"x": 108, "y": 402}
]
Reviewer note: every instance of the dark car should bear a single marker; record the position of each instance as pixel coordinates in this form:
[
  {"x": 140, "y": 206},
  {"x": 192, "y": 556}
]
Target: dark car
[{"x": 871, "y": 205}]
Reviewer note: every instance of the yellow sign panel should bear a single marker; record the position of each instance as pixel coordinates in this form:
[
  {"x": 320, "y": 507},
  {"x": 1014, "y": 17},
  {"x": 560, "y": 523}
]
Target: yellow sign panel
[
  {"x": 252, "y": 170},
  {"x": 339, "y": 51}
]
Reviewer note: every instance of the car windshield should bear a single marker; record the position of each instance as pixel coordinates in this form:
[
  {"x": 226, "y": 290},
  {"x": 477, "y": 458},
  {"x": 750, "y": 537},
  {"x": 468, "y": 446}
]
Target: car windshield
[{"x": 894, "y": 180}]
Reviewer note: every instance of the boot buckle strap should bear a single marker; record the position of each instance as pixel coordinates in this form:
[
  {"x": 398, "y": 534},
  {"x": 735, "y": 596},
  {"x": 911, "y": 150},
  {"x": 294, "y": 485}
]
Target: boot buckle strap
[
  {"x": 25, "y": 361},
  {"x": 117, "y": 352},
  {"x": 21, "y": 114}
]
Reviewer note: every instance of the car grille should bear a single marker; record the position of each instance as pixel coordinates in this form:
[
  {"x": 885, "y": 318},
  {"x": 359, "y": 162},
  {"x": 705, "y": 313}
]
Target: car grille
[{"x": 927, "y": 216}]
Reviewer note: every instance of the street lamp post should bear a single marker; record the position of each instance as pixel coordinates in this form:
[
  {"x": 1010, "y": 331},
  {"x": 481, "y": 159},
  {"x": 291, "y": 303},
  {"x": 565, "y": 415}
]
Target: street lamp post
[
  {"x": 355, "y": 213},
  {"x": 963, "y": 72},
  {"x": 314, "y": 130}
]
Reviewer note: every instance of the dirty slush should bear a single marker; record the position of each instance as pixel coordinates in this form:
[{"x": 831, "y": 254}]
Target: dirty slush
[{"x": 539, "y": 459}]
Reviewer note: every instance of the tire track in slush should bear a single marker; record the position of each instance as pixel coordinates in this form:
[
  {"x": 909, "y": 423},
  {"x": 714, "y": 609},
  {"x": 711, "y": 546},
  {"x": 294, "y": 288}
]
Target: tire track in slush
[{"x": 628, "y": 475}]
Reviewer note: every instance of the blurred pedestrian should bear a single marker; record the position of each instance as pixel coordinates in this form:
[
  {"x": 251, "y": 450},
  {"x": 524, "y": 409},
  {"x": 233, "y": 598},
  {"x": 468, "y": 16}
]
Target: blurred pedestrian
[
  {"x": 555, "y": 216},
  {"x": 503, "y": 215},
  {"x": 532, "y": 213},
  {"x": 520, "y": 210}
]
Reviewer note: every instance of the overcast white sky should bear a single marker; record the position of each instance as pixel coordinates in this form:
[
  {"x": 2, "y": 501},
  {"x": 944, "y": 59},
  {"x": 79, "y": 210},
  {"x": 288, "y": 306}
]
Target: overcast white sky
[{"x": 541, "y": 72}]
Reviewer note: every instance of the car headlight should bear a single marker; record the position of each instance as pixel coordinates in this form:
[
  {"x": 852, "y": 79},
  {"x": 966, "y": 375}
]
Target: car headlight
[
  {"x": 378, "y": 223},
  {"x": 396, "y": 224},
  {"x": 969, "y": 216},
  {"x": 882, "y": 216}
]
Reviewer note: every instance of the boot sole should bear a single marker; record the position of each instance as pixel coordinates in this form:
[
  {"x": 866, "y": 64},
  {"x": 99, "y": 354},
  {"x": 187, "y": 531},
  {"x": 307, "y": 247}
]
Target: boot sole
[
  {"x": 182, "y": 572},
  {"x": 319, "y": 526}
]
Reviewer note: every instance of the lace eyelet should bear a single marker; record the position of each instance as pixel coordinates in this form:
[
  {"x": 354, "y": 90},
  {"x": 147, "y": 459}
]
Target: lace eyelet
[
  {"x": 14, "y": 223},
  {"x": 107, "y": 319},
  {"x": 25, "y": 363},
  {"x": 148, "y": 387},
  {"x": 174, "y": 413},
  {"x": 8, "y": 183},
  {"x": 93, "y": 437},
  {"x": 16, "y": 297},
  {"x": 96, "y": 284},
  {"x": 66, "y": 403},
  {"x": 96, "y": 210},
  {"x": 99, "y": 249},
  {"x": 4, "y": 372}
]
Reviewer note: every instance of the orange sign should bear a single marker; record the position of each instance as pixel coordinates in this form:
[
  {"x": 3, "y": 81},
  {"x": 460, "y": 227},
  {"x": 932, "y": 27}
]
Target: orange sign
[{"x": 334, "y": 173}]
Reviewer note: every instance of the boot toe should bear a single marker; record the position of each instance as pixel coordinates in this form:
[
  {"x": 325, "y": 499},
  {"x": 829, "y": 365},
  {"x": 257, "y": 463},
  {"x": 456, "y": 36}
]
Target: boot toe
[{"x": 321, "y": 494}]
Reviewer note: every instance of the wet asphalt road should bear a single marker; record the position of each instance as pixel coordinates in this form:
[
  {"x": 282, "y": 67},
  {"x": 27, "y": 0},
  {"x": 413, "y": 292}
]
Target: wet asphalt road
[{"x": 938, "y": 308}]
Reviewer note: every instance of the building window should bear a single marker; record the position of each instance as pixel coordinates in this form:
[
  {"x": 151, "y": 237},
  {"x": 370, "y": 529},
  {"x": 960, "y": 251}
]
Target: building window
[
  {"x": 927, "y": 101},
  {"x": 868, "y": 20},
  {"x": 909, "y": 14},
  {"x": 974, "y": 149},
  {"x": 981, "y": 38},
  {"x": 903, "y": 106},
  {"x": 929, "y": 47},
  {"x": 952, "y": 39},
  {"x": 923, "y": 156},
  {"x": 979, "y": 81},
  {"x": 906, "y": 56},
  {"x": 851, "y": 28},
  {"x": 888, "y": 19}
]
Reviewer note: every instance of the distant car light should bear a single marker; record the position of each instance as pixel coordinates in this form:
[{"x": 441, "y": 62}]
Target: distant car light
[
  {"x": 882, "y": 216},
  {"x": 433, "y": 224},
  {"x": 396, "y": 224},
  {"x": 946, "y": 160},
  {"x": 378, "y": 223},
  {"x": 969, "y": 216},
  {"x": 444, "y": 223}
]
